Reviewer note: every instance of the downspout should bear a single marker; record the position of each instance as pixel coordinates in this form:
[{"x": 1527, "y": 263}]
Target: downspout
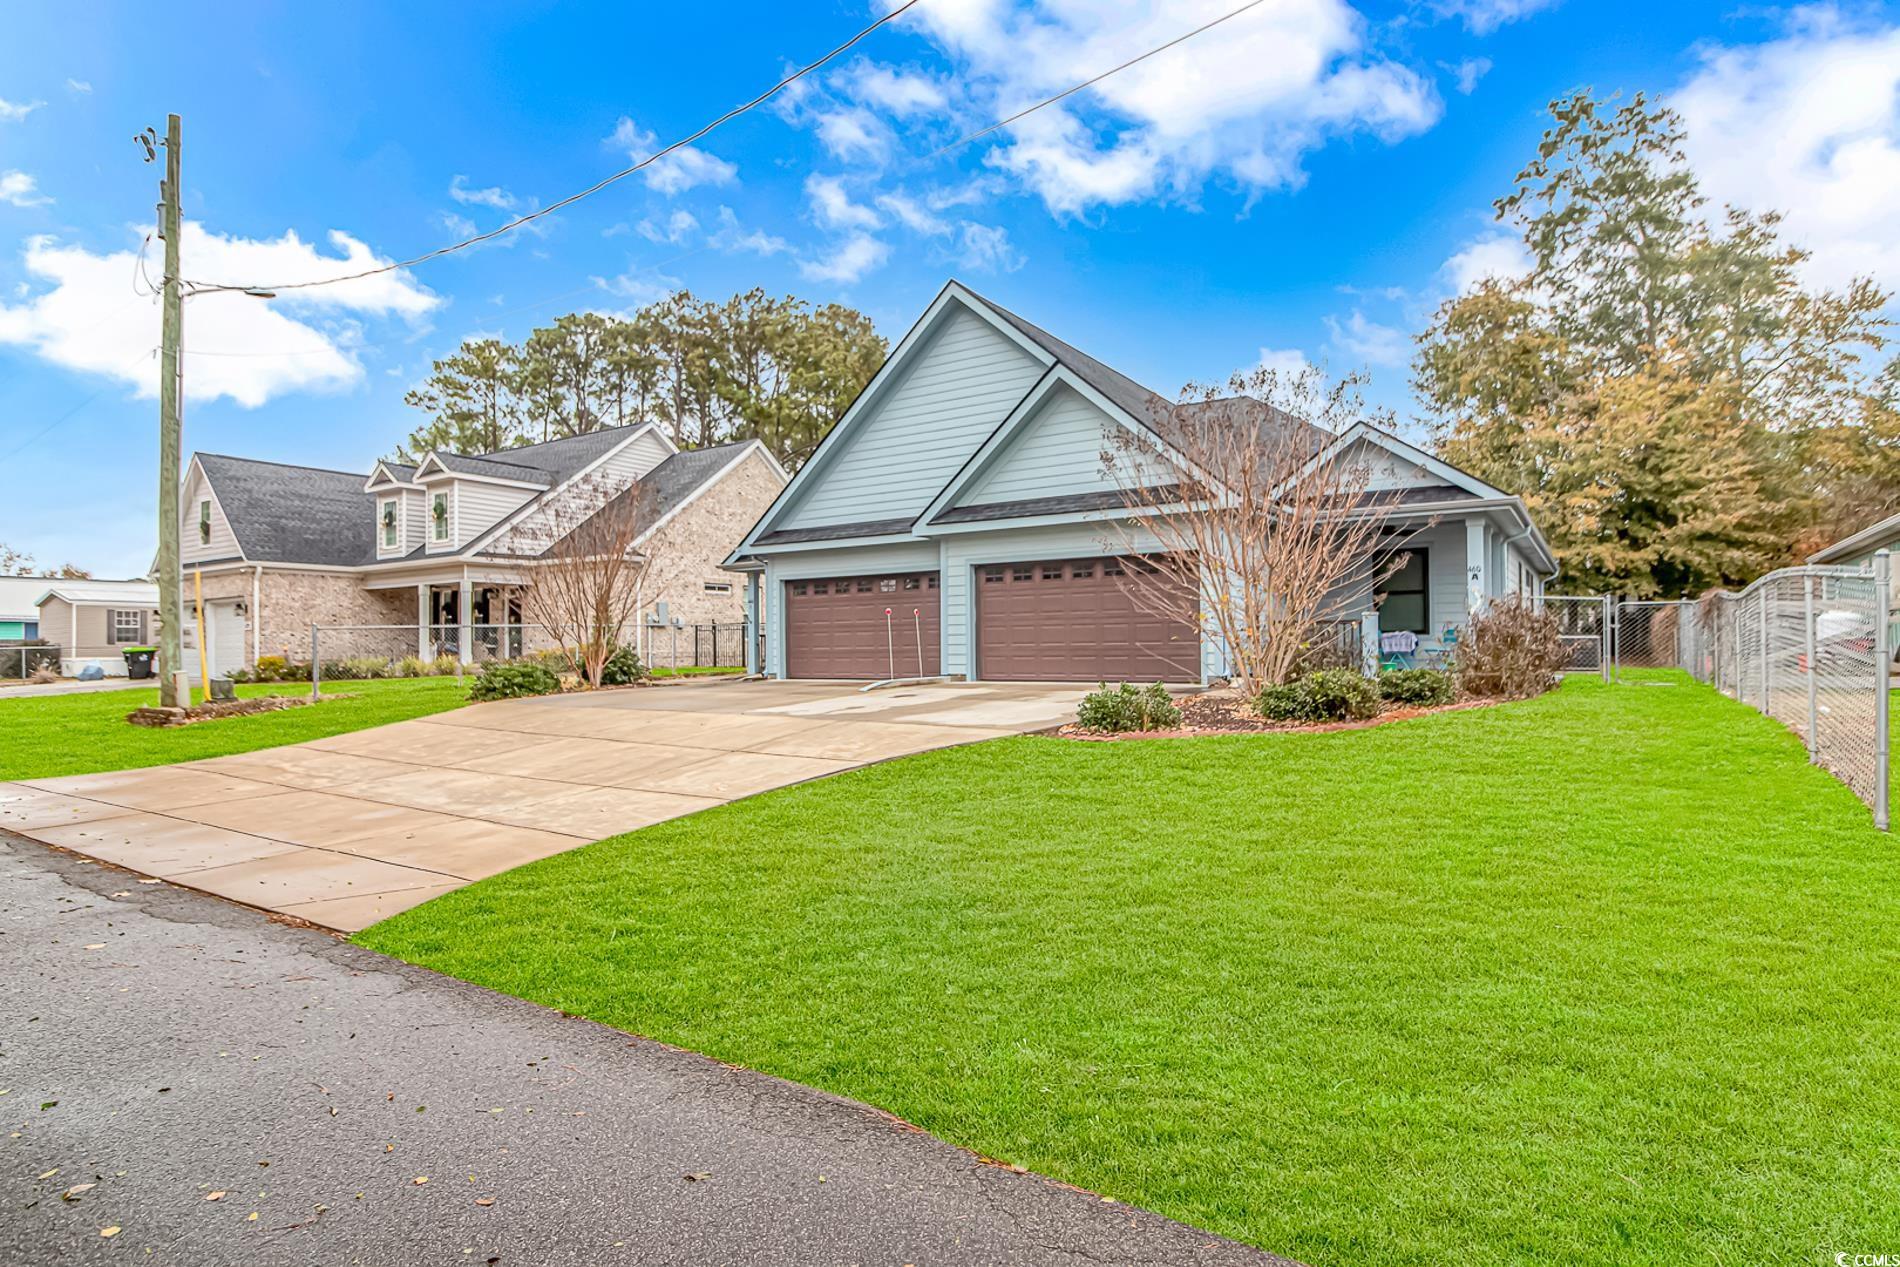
[
  {"x": 1511, "y": 541},
  {"x": 257, "y": 610}
]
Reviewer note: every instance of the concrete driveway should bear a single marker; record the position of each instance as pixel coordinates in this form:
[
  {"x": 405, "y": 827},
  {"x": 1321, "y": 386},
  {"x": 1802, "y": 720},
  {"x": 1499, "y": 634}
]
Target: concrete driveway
[{"x": 348, "y": 830}]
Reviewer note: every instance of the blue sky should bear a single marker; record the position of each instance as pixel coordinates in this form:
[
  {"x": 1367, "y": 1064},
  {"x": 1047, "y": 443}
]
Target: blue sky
[{"x": 1307, "y": 180}]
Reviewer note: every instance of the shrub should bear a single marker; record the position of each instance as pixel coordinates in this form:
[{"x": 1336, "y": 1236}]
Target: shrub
[
  {"x": 272, "y": 668},
  {"x": 623, "y": 668},
  {"x": 553, "y": 659},
  {"x": 411, "y": 666},
  {"x": 1328, "y": 695},
  {"x": 355, "y": 668},
  {"x": 445, "y": 665},
  {"x": 512, "y": 679},
  {"x": 1510, "y": 650},
  {"x": 1422, "y": 688},
  {"x": 44, "y": 675},
  {"x": 1116, "y": 709}
]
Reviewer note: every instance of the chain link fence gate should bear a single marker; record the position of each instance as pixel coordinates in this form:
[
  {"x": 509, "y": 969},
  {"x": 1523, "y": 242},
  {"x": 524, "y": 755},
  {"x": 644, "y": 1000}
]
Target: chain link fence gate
[
  {"x": 1584, "y": 622},
  {"x": 1651, "y": 634}
]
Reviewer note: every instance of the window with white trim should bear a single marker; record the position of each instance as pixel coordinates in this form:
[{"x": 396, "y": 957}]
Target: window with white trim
[
  {"x": 439, "y": 517},
  {"x": 127, "y": 625},
  {"x": 204, "y": 522},
  {"x": 391, "y": 523},
  {"x": 719, "y": 587}
]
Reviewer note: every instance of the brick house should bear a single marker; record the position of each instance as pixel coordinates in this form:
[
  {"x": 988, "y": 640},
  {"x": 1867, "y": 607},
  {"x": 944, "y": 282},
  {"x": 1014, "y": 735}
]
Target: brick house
[{"x": 436, "y": 558}]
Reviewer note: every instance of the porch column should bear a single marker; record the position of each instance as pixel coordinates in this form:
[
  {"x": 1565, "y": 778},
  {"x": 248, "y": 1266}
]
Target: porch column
[
  {"x": 752, "y": 622},
  {"x": 1477, "y": 559},
  {"x": 423, "y": 650},
  {"x": 504, "y": 650},
  {"x": 464, "y": 620}
]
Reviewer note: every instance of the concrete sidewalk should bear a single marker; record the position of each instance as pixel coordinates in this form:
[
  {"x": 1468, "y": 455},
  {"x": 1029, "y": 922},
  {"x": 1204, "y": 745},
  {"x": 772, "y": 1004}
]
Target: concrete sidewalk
[
  {"x": 163, "y": 1046},
  {"x": 349, "y": 830}
]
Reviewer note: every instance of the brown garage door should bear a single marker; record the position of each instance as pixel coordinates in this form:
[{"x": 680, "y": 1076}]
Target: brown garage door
[
  {"x": 1078, "y": 620},
  {"x": 838, "y": 628}
]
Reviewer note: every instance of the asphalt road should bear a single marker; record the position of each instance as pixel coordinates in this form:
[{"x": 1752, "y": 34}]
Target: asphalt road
[{"x": 162, "y": 1046}]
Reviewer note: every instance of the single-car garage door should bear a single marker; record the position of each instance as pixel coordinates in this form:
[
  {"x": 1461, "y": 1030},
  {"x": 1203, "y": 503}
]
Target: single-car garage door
[
  {"x": 863, "y": 627},
  {"x": 1079, "y": 620}
]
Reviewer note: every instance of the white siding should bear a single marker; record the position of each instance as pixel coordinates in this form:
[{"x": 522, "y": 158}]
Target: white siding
[
  {"x": 478, "y": 507},
  {"x": 1443, "y": 545},
  {"x": 192, "y": 549},
  {"x": 634, "y": 459},
  {"x": 411, "y": 521},
  {"x": 1056, "y": 452},
  {"x": 957, "y": 390}
]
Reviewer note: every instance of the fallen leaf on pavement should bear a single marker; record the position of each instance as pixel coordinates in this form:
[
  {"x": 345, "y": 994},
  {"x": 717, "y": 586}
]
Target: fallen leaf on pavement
[
  {"x": 251, "y": 1217},
  {"x": 484, "y": 1200},
  {"x": 419, "y": 1180},
  {"x": 49, "y": 1174},
  {"x": 215, "y": 1196},
  {"x": 72, "y": 1193},
  {"x": 699, "y": 1176},
  {"x": 98, "y": 945},
  {"x": 109, "y": 1231}
]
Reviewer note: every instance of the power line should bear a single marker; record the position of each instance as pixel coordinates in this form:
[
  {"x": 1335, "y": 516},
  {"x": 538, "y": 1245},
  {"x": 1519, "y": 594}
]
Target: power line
[
  {"x": 197, "y": 287},
  {"x": 24, "y": 445},
  {"x": 1089, "y": 83}
]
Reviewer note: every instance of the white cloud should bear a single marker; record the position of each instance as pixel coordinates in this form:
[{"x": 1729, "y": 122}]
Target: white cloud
[
  {"x": 494, "y": 196},
  {"x": 1245, "y": 102},
  {"x": 1286, "y": 362},
  {"x": 14, "y": 111},
  {"x": 677, "y": 227},
  {"x": 79, "y": 315},
  {"x": 849, "y": 260},
  {"x": 732, "y": 236},
  {"x": 832, "y": 207},
  {"x": 902, "y": 93},
  {"x": 641, "y": 286},
  {"x": 78, "y": 85},
  {"x": 1481, "y": 17},
  {"x": 1366, "y": 342},
  {"x": 21, "y": 190},
  {"x": 913, "y": 215},
  {"x": 459, "y": 226},
  {"x": 685, "y": 168},
  {"x": 1808, "y": 125},
  {"x": 854, "y": 134},
  {"x": 1468, "y": 72},
  {"x": 1494, "y": 256},
  {"x": 986, "y": 248}
]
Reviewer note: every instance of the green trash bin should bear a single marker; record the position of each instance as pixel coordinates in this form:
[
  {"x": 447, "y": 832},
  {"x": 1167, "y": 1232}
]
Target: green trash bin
[{"x": 138, "y": 662}]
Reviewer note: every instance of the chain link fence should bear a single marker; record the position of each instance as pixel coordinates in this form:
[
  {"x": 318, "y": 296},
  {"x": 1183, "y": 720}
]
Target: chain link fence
[
  {"x": 20, "y": 660},
  {"x": 1583, "y": 620},
  {"x": 1811, "y": 647}
]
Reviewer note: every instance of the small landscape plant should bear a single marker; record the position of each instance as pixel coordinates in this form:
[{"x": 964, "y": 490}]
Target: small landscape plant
[
  {"x": 1421, "y": 688},
  {"x": 1510, "y": 650},
  {"x": 412, "y": 666},
  {"x": 1113, "y": 710},
  {"x": 513, "y": 679},
  {"x": 44, "y": 675},
  {"x": 622, "y": 668},
  {"x": 1328, "y": 695},
  {"x": 271, "y": 668}
]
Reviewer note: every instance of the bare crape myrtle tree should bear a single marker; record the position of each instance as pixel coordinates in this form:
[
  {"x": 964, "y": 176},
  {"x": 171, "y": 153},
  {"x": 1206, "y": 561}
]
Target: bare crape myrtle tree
[
  {"x": 593, "y": 561},
  {"x": 1259, "y": 528}
]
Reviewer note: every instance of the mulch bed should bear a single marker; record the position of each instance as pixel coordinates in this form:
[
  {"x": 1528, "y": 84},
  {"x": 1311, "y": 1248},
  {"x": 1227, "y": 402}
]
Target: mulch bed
[
  {"x": 218, "y": 710},
  {"x": 1226, "y": 712}
]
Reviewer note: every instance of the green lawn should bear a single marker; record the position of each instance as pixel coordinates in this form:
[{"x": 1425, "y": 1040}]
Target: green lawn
[
  {"x": 47, "y": 735},
  {"x": 1608, "y": 976}
]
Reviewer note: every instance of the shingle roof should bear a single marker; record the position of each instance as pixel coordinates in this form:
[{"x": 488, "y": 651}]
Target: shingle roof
[
  {"x": 294, "y": 514},
  {"x": 678, "y": 477},
  {"x": 461, "y": 464},
  {"x": 282, "y": 513},
  {"x": 1129, "y": 395}
]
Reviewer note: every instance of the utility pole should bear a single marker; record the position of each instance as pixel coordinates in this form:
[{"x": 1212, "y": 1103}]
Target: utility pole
[{"x": 171, "y": 643}]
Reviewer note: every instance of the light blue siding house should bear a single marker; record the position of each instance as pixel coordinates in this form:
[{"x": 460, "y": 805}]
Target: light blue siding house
[{"x": 960, "y": 521}]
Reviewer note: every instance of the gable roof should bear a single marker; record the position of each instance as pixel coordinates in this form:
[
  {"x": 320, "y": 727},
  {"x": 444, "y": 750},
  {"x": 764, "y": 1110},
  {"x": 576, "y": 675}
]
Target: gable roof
[
  {"x": 1136, "y": 404},
  {"x": 283, "y": 513},
  {"x": 129, "y": 593},
  {"x": 672, "y": 483},
  {"x": 1884, "y": 533}
]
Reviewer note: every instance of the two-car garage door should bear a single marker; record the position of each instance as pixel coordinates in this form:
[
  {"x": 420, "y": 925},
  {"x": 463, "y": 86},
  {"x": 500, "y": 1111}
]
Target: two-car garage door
[
  {"x": 1082, "y": 620},
  {"x": 1071, "y": 620}
]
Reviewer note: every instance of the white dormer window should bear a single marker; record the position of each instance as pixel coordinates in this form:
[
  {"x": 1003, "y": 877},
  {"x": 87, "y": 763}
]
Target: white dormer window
[
  {"x": 439, "y": 517},
  {"x": 391, "y": 523},
  {"x": 204, "y": 522}
]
